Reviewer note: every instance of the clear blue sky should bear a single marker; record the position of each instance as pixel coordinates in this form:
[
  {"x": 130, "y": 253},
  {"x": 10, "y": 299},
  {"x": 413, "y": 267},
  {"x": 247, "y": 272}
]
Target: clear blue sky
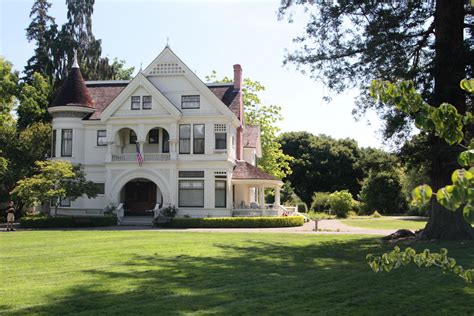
[{"x": 211, "y": 35}]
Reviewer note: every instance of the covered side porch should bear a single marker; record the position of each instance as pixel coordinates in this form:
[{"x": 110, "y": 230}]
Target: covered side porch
[{"x": 249, "y": 184}]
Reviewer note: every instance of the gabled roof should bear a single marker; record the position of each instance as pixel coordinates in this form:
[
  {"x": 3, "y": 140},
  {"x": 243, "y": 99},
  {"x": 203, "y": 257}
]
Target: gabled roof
[
  {"x": 245, "y": 171},
  {"x": 73, "y": 92},
  {"x": 179, "y": 67},
  {"x": 140, "y": 80}
]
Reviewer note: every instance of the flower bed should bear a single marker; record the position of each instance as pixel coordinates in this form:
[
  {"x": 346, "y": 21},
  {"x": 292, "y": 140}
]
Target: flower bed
[
  {"x": 236, "y": 222},
  {"x": 67, "y": 221}
]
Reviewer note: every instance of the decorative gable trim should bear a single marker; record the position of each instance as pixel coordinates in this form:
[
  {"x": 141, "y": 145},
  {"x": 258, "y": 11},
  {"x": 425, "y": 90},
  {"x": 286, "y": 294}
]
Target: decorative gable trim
[
  {"x": 140, "y": 81},
  {"x": 178, "y": 67}
]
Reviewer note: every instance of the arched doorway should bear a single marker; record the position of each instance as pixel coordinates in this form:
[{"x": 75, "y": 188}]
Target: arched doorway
[{"x": 140, "y": 196}]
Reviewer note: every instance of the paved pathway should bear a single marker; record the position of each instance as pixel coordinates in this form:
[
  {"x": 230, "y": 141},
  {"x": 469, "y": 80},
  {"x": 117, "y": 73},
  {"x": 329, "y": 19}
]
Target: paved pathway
[{"x": 325, "y": 227}]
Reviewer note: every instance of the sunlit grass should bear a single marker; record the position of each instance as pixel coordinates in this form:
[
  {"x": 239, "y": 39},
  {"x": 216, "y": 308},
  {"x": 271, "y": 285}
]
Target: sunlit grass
[{"x": 151, "y": 272}]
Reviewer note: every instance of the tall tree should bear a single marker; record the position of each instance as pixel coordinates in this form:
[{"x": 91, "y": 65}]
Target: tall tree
[
  {"x": 8, "y": 91},
  {"x": 41, "y": 31},
  {"x": 34, "y": 101},
  {"x": 349, "y": 43}
]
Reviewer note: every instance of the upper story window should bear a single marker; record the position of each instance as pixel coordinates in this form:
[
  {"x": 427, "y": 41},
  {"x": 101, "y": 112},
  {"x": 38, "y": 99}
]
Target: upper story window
[
  {"x": 146, "y": 105},
  {"x": 198, "y": 138},
  {"x": 190, "y": 102},
  {"x": 135, "y": 103},
  {"x": 153, "y": 136},
  {"x": 101, "y": 138},
  {"x": 220, "y": 134},
  {"x": 133, "y": 137},
  {"x": 185, "y": 139},
  {"x": 66, "y": 143}
]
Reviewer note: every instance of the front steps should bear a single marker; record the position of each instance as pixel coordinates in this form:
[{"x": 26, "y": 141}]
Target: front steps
[{"x": 136, "y": 221}]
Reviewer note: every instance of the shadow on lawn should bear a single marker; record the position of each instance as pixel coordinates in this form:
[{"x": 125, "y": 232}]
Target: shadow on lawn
[{"x": 264, "y": 278}]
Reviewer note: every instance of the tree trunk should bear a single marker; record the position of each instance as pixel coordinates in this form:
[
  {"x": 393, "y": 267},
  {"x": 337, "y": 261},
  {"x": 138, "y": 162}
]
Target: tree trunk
[{"x": 449, "y": 70}]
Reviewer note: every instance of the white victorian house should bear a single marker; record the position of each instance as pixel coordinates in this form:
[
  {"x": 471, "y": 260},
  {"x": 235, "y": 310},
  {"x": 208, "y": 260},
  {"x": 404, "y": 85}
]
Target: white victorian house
[{"x": 163, "y": 138}]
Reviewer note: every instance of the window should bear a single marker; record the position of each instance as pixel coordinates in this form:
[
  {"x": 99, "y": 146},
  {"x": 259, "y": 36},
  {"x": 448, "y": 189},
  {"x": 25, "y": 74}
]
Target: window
[
  {"x": 198, "y": 138},
  {"x": 53, "y": 145},
  {"x": 133, "y": 137},
  {"x": 191, "y": 174},
  {"x": 221, "y": 141},
  {"x": 146, "y": 102},
  {"x": 100, "y": 188},
  {"x": 220, "y": 193},
  {"x": 65, "y": 202},
  {"x": 153, "y": 136},
  {"x": 191, "y": 193},
  {"x": 190, "y": 102},
  {"x": 136, "y": 103},
  {"x": 185, "y": 139},
  {"x": 101, "y": 138},
  {"x": 220, "y": 133},
  {"x": 66, "y": 143},
  {"x": 166, "y": 142}
]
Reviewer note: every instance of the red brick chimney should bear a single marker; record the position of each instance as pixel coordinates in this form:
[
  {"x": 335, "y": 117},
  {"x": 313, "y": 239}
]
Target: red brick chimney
[
  {"x": 240, "y": 131},
  {"x": 237, "y": 77}
]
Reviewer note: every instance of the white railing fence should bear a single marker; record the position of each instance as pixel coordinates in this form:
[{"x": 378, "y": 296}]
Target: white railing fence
[{"x": 146, "y": 157}]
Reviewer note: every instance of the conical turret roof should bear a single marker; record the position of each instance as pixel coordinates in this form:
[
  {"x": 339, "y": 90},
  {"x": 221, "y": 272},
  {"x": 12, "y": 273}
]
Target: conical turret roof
[{"x": 73, "y": 92}]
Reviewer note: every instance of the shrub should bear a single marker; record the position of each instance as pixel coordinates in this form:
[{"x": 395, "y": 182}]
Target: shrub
[
  {"x": 351, "y": 214},
  {"x": 382, "y": 191},
  {"x": 376, "y": 214},
  {"x": 341, "y": 202},
  {"x": 302, "y": 208},
  {"x": 320, "y": 201},
  {"x": 66, "y": 221},
  {"x": 320, "y": 215},
  {"x": 236, "y": 222}
]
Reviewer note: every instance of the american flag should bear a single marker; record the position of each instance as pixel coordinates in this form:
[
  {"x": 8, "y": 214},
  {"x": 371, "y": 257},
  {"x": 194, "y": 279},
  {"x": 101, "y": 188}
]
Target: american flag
[{"x": 139, "y": 155}]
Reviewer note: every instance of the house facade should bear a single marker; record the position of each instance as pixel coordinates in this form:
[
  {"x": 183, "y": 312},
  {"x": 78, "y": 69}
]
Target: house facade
[{"x": 163, "y": 138}]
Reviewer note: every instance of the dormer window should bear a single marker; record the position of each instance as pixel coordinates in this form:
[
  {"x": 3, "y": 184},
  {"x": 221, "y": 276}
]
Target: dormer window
[
  {"x": 136, "y": 103},
  {"x": 146, "y": 105},
  {"x": 190, "y": 102}
]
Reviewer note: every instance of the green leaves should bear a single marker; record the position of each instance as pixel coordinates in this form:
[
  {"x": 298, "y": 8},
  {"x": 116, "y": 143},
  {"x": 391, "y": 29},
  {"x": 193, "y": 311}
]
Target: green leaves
[
  {"x": 468, "y": 85},
  {"x": 397, "y": 258},
  {"x": 466, "y": 158},
  {"x": 444, "y": 120},
  {"x": 422, "y": 194}
]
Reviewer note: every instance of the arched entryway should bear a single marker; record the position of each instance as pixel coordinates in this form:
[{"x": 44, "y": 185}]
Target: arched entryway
[{"x": 140, "y": 196}]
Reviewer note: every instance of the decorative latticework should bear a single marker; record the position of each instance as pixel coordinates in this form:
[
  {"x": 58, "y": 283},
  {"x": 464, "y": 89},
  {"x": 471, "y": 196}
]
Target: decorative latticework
[
  {"x": 220, "y": 128},
  {"x": 167, "y": 69}
]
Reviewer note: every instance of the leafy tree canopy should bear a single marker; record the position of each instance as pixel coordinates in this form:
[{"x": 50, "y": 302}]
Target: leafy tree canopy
[{"x": 55, "y": 179}]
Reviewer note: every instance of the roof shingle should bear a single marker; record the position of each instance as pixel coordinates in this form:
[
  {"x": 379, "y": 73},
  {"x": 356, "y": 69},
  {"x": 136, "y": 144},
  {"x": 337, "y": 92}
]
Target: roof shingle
[
  {"x": 73, "y": 92},
  {"x": 244, "y": 170}
]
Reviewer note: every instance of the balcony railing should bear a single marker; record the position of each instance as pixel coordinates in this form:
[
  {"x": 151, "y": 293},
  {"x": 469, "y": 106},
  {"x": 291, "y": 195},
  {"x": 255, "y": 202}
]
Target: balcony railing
[{"x": 146, "y": 157}]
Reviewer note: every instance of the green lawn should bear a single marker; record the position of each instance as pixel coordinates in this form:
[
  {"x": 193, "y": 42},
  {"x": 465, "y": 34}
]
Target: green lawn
[
  {"x": 127, "y": 272},
  {"x": 385, "y": 223}
]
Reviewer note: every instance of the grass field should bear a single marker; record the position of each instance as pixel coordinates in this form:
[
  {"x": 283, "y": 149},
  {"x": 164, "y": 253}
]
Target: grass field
[
  {"x": 386, "y": 223},
  {"x": 150, "y": 272}
]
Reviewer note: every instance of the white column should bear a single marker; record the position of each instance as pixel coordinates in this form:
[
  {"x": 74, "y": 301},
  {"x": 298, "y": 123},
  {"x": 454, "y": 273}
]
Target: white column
[
  {"x": 277, "y": 196},
  {"x": 261, "y": 196}
]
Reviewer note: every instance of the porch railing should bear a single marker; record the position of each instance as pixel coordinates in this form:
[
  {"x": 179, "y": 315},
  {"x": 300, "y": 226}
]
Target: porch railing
[{"x": 146, "y": 157}]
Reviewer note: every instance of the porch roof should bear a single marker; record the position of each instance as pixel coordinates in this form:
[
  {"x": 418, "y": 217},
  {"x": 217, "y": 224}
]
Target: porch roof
[{"x": 246, "y": 173}]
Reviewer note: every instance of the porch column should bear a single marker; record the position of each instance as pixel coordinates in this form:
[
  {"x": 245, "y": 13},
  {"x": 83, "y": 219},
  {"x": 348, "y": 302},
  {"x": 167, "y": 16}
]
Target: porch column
[
  {"x": 108, "y": 157},
  {"x": 277, "y": 196},
  {"x": 261, "y": 196}
]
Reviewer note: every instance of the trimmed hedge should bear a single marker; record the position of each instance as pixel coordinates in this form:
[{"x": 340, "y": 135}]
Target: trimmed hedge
[
  {"x": 67, "y": 221},
  {"x": 236, "y": 222}
]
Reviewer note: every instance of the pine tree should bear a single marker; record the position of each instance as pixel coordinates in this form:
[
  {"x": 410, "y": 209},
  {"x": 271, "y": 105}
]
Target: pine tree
[{"x": 41, "y": 31}]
